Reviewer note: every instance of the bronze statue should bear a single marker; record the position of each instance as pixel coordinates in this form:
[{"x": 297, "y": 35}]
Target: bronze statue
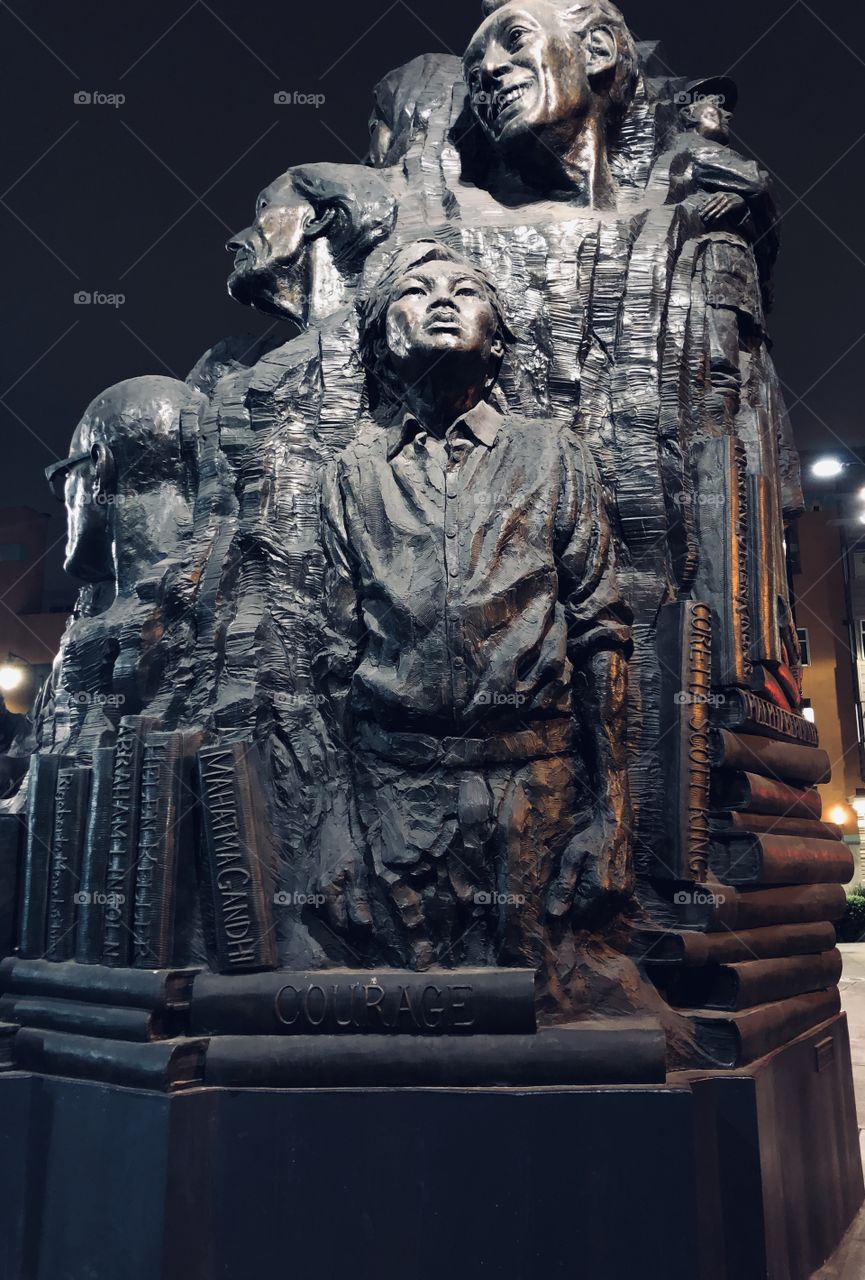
[
  {"x": 431, "y": 715},
  {"x": 490, "y": 796}
]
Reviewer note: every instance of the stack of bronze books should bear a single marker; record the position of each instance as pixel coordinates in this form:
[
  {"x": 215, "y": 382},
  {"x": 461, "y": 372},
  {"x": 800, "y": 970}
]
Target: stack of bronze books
[{"x": 756, "y": 962}]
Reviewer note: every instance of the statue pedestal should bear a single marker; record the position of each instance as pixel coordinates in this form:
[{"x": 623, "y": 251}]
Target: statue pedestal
[{"x": 754, "y": 1173}]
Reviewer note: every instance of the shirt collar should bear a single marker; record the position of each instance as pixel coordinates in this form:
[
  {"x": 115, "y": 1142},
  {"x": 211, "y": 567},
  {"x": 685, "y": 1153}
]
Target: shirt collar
[{"x": 482, "y": 422}]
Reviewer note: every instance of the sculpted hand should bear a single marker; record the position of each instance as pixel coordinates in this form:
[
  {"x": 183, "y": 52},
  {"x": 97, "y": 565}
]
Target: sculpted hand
[
  {"x": 342, "y": 885},
  {"x": 722, "y": 205},
  {"x": 595, "y": 878}
]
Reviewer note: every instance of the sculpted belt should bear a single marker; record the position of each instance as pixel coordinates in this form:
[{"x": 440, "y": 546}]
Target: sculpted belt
[{"x": 537, "y": 741}]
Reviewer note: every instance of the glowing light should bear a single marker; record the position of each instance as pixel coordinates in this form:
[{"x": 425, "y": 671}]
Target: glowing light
[
  {"x": 11, "y": 678},
  {"x": 808, "y": 713},
  {"x": 827, "y": 468},
  {"x": 840, "y": 815}
]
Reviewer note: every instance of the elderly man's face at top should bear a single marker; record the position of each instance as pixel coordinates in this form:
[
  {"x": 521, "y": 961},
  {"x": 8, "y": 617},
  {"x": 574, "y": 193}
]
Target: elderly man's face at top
[
  {"x": 526, "y": 71},
  {"x": 440, "y": 308}
]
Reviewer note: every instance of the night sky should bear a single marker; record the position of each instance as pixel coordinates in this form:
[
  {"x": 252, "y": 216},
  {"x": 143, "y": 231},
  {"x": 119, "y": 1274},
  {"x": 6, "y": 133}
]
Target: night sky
[{"x": 139, "y": 199}]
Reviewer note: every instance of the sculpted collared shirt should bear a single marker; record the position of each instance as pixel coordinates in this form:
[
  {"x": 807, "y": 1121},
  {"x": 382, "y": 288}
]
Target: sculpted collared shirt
[{"x": 467, "y": 577}]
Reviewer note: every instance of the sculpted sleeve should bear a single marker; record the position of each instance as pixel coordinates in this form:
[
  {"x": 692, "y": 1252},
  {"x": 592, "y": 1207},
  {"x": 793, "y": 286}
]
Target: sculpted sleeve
[{"x": 598, "y": 618}]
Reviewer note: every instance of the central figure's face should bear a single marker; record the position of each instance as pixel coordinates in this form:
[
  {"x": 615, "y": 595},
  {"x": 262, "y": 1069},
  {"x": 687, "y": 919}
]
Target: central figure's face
[
  {"x": 526, "y": 72},
  {"x": 441, "y": 308}
]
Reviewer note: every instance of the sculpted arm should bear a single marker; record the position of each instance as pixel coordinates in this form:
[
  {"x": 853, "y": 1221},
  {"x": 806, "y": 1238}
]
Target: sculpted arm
[{"x": 597, "y": 874}]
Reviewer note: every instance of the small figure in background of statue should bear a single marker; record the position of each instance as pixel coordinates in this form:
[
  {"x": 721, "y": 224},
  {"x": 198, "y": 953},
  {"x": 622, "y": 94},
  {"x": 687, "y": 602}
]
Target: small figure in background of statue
[{"x": 732, "y": 198}]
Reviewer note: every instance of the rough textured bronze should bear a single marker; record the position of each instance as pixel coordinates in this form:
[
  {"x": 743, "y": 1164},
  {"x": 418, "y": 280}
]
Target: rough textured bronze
[{"x": 473, "y": 552}]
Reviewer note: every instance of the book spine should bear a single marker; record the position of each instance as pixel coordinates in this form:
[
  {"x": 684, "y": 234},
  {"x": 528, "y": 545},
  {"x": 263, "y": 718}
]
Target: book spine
[
  {"x": 597, "y": 1055},
  {"x": 385, "y": 1002},
  {"x": 11, "y": 842},
  {"x": 742, "y": 986},
  {"x": 750, "y": 714},
  {"x": 773, "y": 825},
  {"x": 94, "y": 867},
  {"x": 763, "y": 681},
  {"x": 163, "y": 791},
  {"x": 765, "y": 566},
  {"x": 780, "y": 860},
  {"x": 685, "y": 639},
  {"x": 98, "y": 984},
  {"x": 163, "y": 1065},
  {"x": 769, "y": 943},
  {"x": 748, "y": 792},
  {"x": 39, "y": 839},
  {"x": 789, "y": 684},
  {"x": 106, "y": 1021},
  {"x": 123, "y": 842},
  {"x": 758, "y": 908},
  {"x": 801, "y": 766},
  {"x": 237, "y": 859},
  {"x": 720, "y": 469},
  {"x": 70, "y": 816},
  {"x": 737, "y": 1041}
]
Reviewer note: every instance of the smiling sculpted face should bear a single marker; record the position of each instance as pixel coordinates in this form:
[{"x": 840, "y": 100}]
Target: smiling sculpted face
[
  {"x": 526, "y": 71},
  {"x": 439, "y": 309}
]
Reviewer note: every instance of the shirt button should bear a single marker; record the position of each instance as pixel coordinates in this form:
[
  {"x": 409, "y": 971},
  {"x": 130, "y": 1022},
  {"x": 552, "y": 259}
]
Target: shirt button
[
  {"x": 459, "y": 664},
  {"x": 451, "y": 533}
]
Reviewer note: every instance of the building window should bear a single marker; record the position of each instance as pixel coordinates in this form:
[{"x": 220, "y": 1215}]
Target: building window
[
  {"x": 12, "y": 551},
  {"x": 805, "y": 644},
  {"x": 862, "y": 639}
]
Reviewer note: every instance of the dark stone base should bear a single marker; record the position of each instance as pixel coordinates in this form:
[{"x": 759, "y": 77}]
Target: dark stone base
[{"x": 747, "y": 1175}]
